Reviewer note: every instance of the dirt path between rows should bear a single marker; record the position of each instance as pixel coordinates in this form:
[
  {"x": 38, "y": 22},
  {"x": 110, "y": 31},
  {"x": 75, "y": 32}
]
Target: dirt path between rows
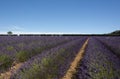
[
  {"x": 7, "y": 74},
  {"x": 69, "y": 73},
  {"x": 74, "y": 64}
]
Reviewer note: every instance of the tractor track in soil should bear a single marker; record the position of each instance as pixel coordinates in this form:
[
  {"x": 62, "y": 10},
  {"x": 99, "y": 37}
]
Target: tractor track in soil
[
  {"x": 13, "y": 69},
  {"x": 68, "y": 75},
  {"x": 74, "y": 64}
]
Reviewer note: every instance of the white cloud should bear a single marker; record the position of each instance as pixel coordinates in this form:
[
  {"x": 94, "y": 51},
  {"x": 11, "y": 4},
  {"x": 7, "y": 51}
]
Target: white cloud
[
  {"x": 20, "y": 30},
  {"x": 15, "y": 28},
  {"x": 116, "y": 27},
  {"x": 12, "y": 28},
  {"x": 23, "y": 32}
]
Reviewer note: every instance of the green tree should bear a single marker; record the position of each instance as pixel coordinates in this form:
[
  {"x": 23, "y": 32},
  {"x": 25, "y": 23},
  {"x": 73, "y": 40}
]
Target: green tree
[{"x": 9, "y": 33}]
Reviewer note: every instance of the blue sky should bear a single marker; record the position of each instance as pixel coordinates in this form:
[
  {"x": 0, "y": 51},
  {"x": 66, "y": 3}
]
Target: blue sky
[{"x": 59, "y": 16}]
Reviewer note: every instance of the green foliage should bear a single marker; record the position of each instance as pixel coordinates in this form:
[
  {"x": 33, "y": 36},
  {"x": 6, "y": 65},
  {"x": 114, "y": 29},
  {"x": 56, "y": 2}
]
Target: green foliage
[
  {"x": 5, "y": 61},
  {"x": 42, "y": 70},
  {"x": 47, "y": 69},
  {"x": 98, "y": 71},
  {"x": 4, "y": 58},
  {"x": 32, "y": 73},
  {"x": 117, "y": 32},
  {"x": 46, "y": 61},
  {"x": 10, "y": 48},
  {"x": 9, "y": 33},
  {"x": 22, "y": 56}
]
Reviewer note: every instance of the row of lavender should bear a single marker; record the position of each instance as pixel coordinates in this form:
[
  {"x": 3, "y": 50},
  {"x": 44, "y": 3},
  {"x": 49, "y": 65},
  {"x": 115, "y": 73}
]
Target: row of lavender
[
  {"x": 99, "y": 62},
  {"x": 13, "y": 44},
  {"x": 113, "y": 43},
  {"x": 21, "y": 48},
  {"x": 51, "y": 64}
]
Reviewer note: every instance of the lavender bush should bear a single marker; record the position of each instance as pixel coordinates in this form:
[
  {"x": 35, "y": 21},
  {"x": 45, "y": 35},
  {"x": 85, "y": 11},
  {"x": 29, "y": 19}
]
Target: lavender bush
[
  {"x": 50, "y": 64},
  {"x": 112, "y": 42},
  {"x": 22, "y": 48},
  {"x": 98, "y": 63}
]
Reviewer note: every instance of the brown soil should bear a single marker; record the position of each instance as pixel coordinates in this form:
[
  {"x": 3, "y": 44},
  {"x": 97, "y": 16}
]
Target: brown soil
[
  {"x": 74, "y": 64},
  {"x": 7, "y": 74},
  {"x": 68, "y": 74}
]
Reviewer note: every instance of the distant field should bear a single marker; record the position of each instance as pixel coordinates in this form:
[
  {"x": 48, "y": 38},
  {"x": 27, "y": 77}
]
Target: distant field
[{"x": 50, "y": 57}]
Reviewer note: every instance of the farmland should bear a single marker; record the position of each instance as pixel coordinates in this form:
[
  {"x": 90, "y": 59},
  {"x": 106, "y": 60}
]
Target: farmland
[{"x": 51, "y": 57}]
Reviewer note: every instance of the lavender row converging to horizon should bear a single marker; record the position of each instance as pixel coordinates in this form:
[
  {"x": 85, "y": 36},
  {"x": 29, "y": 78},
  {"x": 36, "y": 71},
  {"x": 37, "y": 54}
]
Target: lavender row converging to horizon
[
  {"x": 62, "y": 56},
  {"x": 49, "y": 57},
  {"x": 98, "y": 63},
  {"x": 33, "y": 45}
]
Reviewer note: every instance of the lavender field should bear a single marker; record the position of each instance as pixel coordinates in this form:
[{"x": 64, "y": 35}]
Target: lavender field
[{"x": 49, "y": 57}]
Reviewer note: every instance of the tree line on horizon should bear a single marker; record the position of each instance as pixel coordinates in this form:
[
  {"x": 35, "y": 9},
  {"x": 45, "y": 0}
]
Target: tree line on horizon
[{"x": 117, "y": 32}]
